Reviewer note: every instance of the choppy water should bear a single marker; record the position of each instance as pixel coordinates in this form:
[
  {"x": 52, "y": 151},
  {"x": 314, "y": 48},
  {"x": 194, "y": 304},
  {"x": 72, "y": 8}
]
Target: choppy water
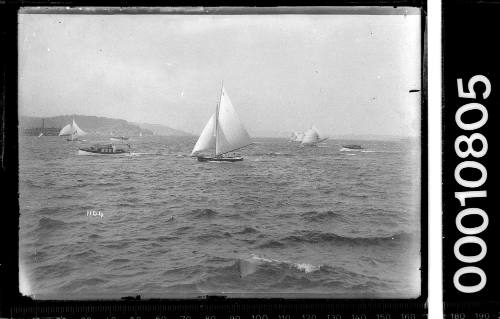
[{"x": 286, "y": 220}]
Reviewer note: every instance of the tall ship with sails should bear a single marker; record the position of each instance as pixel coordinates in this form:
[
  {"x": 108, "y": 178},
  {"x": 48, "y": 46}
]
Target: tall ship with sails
[
  {"x": 224, "y": 133},
  {"x": 72, "y": 130}
]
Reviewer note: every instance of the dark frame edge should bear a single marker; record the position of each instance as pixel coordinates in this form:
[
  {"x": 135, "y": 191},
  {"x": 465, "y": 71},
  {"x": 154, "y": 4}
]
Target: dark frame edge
[{"x": 9, "y": 225}]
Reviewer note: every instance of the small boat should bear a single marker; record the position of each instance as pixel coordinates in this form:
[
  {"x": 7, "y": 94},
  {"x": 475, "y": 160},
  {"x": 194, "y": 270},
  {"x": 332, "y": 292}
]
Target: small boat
[
  {"x": 72, "y": 130},
  {"x": 312, "y": 137},
  {"x": 224, "y": 133},
  {"x": 351, "y": 147},
  {"x": 219, "y": 159},
  {"x": 118, "y": 138},
  {"x": 103, "y": 149}
]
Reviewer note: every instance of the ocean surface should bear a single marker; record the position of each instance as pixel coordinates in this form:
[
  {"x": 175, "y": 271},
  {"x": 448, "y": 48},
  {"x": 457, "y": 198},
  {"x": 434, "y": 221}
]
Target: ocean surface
[{"x": 287, "y": 221}]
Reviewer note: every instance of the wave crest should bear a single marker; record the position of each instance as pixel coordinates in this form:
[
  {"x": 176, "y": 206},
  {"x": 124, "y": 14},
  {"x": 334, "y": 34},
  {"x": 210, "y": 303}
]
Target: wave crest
[
  {"x": 273, "y": 154},
  {"x": 315, "y": 237},
  {"x": 249, "y": 266},
  {"x": 315, "y": 216},
  {"x": 203, "y": 213},
  {"x": 46, "y": 223}
]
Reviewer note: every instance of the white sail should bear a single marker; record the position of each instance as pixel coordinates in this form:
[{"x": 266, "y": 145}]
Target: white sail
[
  {"x": 315, "y": 130},
  {"x": 231, "y": 133},
  {"x": 297, "y": 137},
  {"x": 300, "y": 136},
  {"x": 77, "y": 131},
  {"x": 312, "y": 136},
  {"x": 207, "y": 137},
  {"x": 67, "y": 130}
]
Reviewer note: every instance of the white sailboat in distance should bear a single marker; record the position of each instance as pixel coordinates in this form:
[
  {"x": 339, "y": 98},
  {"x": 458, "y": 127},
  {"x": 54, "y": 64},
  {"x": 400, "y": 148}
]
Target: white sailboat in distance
[
  {"x": 72, "y": 130},
  {"x": 312, "y": 137},
  {"x": 223, "y": 133},
  {"x": 296, "y": 137}
]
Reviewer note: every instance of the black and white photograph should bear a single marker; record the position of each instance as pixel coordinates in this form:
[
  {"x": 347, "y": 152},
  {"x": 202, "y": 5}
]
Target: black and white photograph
[{"x": 193, "y": 152}]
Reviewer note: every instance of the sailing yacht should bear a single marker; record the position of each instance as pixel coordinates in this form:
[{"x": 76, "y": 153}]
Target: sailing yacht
[
  {"x": 72, "y": 130},
  {"x": 312, "y": 137},
  {"x": 296, "y": 137},
  {"x": 224, "y": 133}
]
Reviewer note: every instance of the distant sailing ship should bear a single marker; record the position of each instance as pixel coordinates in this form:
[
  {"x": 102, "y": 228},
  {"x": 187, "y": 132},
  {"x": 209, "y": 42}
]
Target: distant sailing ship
[
  {"x": 312, "y": 137},
  {"x": 296, "y": 137},
  {"x": 72, "y": 130},
  {"x": 223, "y": 133}
]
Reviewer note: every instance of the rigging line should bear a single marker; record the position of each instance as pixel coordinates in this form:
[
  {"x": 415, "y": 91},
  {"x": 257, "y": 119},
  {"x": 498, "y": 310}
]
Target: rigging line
[
  {"x": 217, "y": 117},
  {"x": 239, "y": 148}
]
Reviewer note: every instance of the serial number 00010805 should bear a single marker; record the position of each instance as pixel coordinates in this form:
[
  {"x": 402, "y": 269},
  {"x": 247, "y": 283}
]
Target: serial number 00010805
[{"x": 471, "y": 159}]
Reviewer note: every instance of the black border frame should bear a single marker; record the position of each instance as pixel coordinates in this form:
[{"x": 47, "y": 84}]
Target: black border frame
[
  {"x": 467, "y": 50},
  {"x": 13, "y": 304}
]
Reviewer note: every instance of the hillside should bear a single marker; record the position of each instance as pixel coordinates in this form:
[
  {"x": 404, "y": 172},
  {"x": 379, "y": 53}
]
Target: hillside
[
  {"x": 99, "y": 125},
  {"x": 159, "y": 129},
  {"x": 90, "y": 124}
]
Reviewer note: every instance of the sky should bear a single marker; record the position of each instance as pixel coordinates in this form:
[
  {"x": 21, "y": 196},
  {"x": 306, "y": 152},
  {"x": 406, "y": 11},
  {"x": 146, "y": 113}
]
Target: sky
[{"x": 343, "y": 73}]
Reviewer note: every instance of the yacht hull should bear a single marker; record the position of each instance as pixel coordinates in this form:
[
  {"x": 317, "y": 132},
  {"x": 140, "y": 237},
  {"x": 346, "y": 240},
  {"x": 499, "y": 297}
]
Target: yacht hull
[
  {"x": 219, "y": 159},
  {"x": 315, "y": 143}
]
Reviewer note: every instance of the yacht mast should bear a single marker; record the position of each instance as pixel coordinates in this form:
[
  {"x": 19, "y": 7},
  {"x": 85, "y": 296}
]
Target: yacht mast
[{"x": 217, "y": 118}]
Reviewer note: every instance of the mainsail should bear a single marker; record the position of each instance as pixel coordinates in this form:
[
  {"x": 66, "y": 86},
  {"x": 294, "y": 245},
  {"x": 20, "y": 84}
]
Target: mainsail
[
  {"x": 312, "y": 136},
  {"x": 67, "y": 130},
  {"x": 72, "y": 129},
  {"x": 77, "y": 130},
  {"x": 224, "y": 130},
  {"x": 230, "y": 134},
  {"x": 297, "y": 137}
]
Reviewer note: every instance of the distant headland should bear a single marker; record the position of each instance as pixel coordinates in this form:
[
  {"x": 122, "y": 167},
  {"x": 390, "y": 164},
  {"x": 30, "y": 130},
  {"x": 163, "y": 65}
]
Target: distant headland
[{"x": 95, "y": 125}]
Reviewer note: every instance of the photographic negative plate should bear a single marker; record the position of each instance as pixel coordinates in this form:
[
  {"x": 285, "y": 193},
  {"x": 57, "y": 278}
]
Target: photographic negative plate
[{"x": 227, "y": 153}]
